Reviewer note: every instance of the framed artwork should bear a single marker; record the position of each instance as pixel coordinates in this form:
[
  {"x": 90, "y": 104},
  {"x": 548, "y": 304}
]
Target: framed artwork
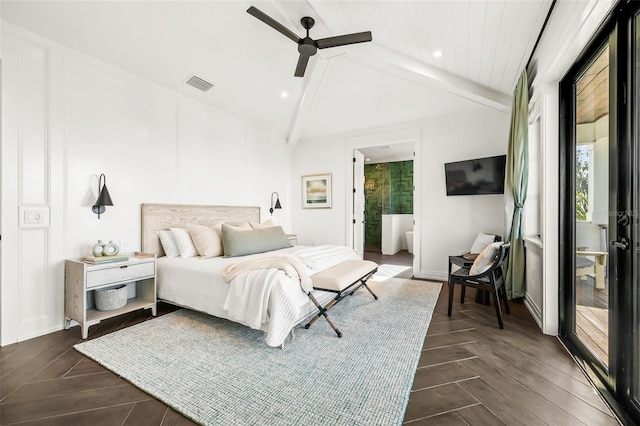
[{"x": 316, "y": 191}]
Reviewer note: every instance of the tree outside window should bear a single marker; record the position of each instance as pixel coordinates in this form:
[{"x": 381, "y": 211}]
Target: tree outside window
[{"x": 583, "y": 166}]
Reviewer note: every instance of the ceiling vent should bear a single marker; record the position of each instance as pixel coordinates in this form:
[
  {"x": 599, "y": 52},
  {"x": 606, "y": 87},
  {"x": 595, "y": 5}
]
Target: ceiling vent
[{"x": 199, "y": 83}]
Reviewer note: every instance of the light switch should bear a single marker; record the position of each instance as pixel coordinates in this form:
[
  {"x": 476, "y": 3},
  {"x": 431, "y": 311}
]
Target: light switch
[{"x": 32, "y": 217}]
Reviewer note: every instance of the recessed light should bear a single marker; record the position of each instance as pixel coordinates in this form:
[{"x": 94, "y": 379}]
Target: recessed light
[
  {"x": 368, "y": 159},
  {"x": 284, "y": 94},
  {"x": 437, "y": 53}
]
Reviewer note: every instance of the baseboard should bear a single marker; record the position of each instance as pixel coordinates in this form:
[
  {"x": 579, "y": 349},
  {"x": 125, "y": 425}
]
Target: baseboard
[
  {"x": 30, "y": 336},
  {"x": 533, "y": 310},
  {"x": 433, "y": 275}
]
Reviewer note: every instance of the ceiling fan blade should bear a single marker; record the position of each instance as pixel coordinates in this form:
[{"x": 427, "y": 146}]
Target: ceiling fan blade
[
  {"x": 323, "y": 43},
  {"x": 302, "y": 65},
  {"x": 273, "y": 23}
]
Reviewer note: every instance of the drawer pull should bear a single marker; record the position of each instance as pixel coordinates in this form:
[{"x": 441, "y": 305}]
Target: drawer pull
[{"x": 124, "y": 266}]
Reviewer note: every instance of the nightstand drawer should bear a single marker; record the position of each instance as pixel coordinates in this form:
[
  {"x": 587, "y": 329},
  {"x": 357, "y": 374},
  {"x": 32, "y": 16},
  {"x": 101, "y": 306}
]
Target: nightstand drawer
[{"x": 121, "y": 273}]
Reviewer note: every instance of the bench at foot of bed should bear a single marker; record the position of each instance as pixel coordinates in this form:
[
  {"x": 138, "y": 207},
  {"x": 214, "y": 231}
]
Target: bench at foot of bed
[{"x": 343, "y": 279}]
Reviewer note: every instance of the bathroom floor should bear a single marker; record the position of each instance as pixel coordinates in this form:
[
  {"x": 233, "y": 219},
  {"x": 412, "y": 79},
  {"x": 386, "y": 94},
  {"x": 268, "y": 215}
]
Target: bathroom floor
[{"x": 403, "y": 257}]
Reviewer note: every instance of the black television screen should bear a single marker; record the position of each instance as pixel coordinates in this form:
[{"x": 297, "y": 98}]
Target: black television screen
[{"x": 478, "y": 176}]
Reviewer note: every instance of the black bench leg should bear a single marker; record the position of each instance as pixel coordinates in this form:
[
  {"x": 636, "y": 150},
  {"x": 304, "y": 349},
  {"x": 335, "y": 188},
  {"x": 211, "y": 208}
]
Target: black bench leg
[
  {"x": 323, "y": 312},
  {"x": 364, "y": 284}
]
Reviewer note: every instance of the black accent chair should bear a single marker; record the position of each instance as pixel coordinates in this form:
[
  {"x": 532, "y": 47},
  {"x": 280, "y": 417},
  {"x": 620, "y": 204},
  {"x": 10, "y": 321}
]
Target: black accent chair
[
  {"x": 491, "y": 280},
  {"x": 461, "y": 261}
]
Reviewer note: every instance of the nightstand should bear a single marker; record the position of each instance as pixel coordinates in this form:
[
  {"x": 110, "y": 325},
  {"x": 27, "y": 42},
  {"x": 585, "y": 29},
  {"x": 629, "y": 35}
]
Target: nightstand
[
  {"x": 81, "y": 279},
  {"x": 293, "y": 238}
]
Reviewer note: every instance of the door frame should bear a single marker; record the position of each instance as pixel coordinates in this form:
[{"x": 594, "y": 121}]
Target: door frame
[
  {"x": 359, "y": 217},
  {"x": 617, "y": 382},
  {"x": 379, "y": 139}
]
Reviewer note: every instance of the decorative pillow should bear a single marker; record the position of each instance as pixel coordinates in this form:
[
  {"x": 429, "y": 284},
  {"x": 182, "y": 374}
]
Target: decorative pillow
[
  {"x": 482, "y": 240},
  {"x": 485, "y": 258},
  {"x": 168, "y": 243},
  {"x": 266, "y": 224},
  {"x": 207, "y": 239},
  {"x": 240, "y": 243},
  {"x": 183, "y": 241},
  {"x": 239, "y": 226}
]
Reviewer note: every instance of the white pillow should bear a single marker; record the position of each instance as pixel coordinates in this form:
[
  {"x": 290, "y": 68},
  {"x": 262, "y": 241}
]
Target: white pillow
[
  {"x": 482, "y": 240},
  {"x": 168, "y": 243},
  {"x": 183, "y": 241},
  {"x": 207, "y": 239},
  {"x": 266, "y": 224},
  {"x": 485, "y": 258}
]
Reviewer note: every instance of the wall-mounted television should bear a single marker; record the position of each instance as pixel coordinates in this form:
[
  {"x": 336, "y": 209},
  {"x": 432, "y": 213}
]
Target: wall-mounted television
[{"x": 475, "y": 177}]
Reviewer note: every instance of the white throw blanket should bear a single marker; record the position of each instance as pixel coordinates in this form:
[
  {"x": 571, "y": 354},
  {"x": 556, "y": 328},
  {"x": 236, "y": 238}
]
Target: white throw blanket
[
  {"x": 255, "y": 281},
  {"x": 292, "y": 265}
]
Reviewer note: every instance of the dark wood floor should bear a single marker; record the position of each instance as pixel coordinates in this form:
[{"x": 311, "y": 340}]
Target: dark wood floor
[
  {"x": 473, "y": 373},
  {"x": 470, "y": 373},
  {"x": 403, "y": 257}
]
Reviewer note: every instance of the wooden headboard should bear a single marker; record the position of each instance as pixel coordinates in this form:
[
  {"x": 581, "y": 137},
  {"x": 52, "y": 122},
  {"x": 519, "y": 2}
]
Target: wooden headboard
[{"x": 164, "y": 216}]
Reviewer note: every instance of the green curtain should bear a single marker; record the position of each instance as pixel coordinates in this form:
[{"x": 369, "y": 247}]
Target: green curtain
[{"x": 516, "y": 181}]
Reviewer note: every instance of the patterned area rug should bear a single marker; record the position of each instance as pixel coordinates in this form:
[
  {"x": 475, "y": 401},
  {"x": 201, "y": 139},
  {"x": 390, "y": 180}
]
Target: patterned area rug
[{"x": 220, "y": 373}]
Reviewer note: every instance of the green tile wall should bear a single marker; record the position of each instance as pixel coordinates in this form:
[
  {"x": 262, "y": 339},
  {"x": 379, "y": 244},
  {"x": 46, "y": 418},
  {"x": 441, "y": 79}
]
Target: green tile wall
[{"x": 388, "y": 190}]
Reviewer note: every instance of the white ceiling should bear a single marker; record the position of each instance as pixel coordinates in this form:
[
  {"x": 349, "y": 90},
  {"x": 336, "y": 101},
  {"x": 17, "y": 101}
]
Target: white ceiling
[
  {"x": 485, "y": 45},
  {"x": 388, "y": 153}
]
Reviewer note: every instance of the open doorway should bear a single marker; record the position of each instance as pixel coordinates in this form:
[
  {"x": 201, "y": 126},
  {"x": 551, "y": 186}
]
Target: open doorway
[{"x": 392, "y": 162}]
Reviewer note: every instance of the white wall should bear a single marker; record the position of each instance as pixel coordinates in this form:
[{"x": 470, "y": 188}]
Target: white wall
[
  {"x": 447, "y": 224},
  {"x": 75, "y": 118}
]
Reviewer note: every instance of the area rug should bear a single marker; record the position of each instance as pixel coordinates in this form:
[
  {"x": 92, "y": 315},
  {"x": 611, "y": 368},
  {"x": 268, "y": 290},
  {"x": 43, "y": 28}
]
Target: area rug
[
  {"x": 220, "y": 373},
  {"x": 385, "y": 271}
]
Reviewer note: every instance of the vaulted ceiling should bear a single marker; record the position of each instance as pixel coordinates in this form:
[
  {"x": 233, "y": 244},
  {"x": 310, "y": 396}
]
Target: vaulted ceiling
[{"x": 395, "y": 78}]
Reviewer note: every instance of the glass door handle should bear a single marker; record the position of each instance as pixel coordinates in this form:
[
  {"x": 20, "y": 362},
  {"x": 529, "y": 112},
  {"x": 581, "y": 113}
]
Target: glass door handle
[{"x": 623, "y": 244}]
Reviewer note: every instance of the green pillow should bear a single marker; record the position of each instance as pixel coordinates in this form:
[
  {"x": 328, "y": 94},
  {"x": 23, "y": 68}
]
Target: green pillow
[{"x": 240, "y": 243}]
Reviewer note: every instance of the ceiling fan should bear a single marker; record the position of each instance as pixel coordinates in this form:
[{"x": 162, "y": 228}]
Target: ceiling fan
[{"x": 307, "y": 46}]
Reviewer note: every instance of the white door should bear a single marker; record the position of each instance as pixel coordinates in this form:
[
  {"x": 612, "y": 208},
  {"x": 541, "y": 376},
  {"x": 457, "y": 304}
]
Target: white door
[{"x": 358, "y": 202}]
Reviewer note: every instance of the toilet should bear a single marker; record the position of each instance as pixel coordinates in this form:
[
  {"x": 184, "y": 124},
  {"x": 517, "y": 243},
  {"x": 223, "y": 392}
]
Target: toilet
[{"x": 410, "y": 241}]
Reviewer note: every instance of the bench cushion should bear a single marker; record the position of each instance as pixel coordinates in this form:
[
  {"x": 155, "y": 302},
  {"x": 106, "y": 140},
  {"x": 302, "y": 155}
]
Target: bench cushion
[{"x": 341, "y": 276}]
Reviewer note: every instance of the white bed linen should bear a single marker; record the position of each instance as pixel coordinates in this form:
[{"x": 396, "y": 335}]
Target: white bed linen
[{"x": 265, "y": 299}]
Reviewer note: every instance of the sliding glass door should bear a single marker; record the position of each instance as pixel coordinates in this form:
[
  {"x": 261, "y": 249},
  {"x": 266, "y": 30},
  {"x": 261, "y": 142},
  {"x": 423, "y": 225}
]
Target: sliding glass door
[
  {"x": 600, "y": 231},
  {"x": 591, "y": 153}
]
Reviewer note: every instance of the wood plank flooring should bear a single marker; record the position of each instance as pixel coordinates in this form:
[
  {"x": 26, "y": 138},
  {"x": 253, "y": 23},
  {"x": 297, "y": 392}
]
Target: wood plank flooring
[
  {"x": 592, "y": 316},
  {"x": 470, "y": 373},
  {"x": 473, "y": 373}
]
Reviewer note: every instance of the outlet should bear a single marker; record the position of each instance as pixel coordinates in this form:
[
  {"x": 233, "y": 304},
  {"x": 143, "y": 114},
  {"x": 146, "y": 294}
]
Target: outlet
[{"x": 125, "y": 246}]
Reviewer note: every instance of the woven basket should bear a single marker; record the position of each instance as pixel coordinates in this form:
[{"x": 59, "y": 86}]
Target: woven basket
[{"x": 110, "y": 298}]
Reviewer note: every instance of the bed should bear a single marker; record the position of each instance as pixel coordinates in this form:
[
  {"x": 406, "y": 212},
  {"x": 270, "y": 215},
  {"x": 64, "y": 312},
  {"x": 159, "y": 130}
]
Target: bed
[{"x": 265, "y": 299}]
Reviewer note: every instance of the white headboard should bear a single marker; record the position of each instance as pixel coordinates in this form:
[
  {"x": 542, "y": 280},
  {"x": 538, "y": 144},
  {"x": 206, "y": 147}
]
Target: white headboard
[{"x": 163, "y": 216}]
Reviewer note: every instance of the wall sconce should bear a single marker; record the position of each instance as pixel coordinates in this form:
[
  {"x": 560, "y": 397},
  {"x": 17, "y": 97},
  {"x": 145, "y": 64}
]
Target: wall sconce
[
  {"x": 104, "y": 199},
  {"x": 277, "y": 205}
]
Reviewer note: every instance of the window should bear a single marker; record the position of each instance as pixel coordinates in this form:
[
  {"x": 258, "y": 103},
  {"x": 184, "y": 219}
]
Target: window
[{"x": 533, "y": 205}]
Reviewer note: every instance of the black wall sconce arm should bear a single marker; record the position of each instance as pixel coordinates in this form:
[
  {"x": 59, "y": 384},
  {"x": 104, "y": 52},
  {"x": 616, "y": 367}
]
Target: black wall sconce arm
[
  {"x": 104, "y": 199},
  {"x": 277, "y": 203}
]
